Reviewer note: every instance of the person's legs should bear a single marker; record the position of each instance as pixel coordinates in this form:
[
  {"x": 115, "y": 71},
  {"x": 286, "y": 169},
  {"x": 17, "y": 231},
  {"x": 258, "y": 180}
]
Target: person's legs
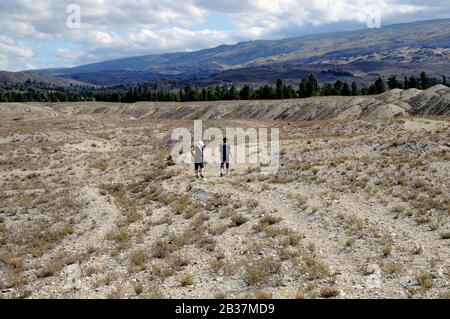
[
  {"x": 202, "y": 170},
  {"x": 228, "y": 168},
  {"x": 196, "y": 169},
  {"x": 221, "y": 169}
]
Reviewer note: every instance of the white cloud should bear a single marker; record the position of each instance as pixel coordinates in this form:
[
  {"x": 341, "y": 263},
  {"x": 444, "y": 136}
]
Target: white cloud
[
  {"x": 13, "y": 54},
  {"x": 118, "y": 28},
  {"x": 68, "y": 54}
]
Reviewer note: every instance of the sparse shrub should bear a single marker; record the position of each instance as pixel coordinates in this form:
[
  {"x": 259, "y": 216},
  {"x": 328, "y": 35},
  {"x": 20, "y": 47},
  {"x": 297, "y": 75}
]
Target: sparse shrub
[
  {"x": 302, "y": 202},
  {"x": 270, "y": 220},
  {"x": 165, "y": 220},
  {"x": 354, "y": 224},
  {"x": 300, "y": 293},
  {"x": 16, "y": 280},
  {"x": 434, "y": 225},
  {"x": 121, "y": 237},
  {"x": 138, "y": 288},
  {"x": 45, "y": 238},
  {"x": 17, "y": 262},
  {"x": 209, "y": 243},
  {"x": 219, "y": 201},
  {"x": 115, "y": 294},
  {"x": 256, "y": 274},
  {"x": 220, "y": 295},
  {"x": 161, "y": 249},
  {"x": 132, "y": 217},
  {"x": 398, "y": 209},
  {"x": 52, "y": 269},
  {"x": 288, "y": 253},
  {"x": 329, "y": 292},
  {"x": 220, "y": 265},
  {"x": 350, "y": 242},
  {"x": 274, "y": 231},
  {"x": 100, "y": 165},
  {"x": 424, "y": 280},
  {"x": 139, "y": 258},
  {"x": 392, "y": 268},
  {"x": 185, "y": 280},
  {"x": 178, "y": 261},
  {"x": 238, "y": 220},
  {"x": 292, "y": 238},
  {"x": 263, "y": 295},
  {"x": 161, "y": 271},
  {"x": 314, "y": 267},
  {"x": 217, "y": 230},
  {"x": 444, "y": 294},
  {"x": 92, "y": 270},
  {"x": 387, "y": 251},
  {"x": 282, "y": 179},
  {"x": 259, "y": 271},
  {"x": 445, "y": 235},
  {"x": 226, "y": 212},
  {"x": 154, "y": 292},
  {"x": 252, "y": 203},
  {"x": 191, "y": 211}
]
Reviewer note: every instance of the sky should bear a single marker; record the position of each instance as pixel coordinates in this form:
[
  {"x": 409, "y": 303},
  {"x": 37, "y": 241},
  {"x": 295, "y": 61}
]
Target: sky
[{"x": 55, "y": 33}]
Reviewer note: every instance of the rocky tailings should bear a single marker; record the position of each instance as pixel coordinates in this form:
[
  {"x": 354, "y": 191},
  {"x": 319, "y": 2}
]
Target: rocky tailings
[
  {"x": 394, "y": 103},
  {"x": 92, "y": 206},
  {"x": 434, "y": 101}
]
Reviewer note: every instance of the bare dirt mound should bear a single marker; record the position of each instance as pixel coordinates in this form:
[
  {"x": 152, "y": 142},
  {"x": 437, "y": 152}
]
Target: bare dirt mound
[
  {"x": 25, "y": 110},
  {"x": 434, "y": 101}
]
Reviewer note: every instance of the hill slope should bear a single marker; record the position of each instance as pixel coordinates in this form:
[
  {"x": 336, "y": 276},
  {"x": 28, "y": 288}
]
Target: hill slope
[
  {"x": 424, "y": 44},
  {"x": 14, "y": 78}
]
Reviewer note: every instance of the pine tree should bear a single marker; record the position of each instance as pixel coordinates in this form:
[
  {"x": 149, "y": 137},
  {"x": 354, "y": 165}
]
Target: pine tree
[
  {"x": 217, "y": 93},
  {"x": 393, "y": 83},
  {"x": 327, "y": 89},
  {"x": 212, "y": 95},
  {"x": 245, "y": 93},
  {"x": 424, "y": 81},
  {"x": 379, "y": 86},
  {"x": 312, "y": 86},
  {"x": 268, "y": 92},
  {"x": 346, "y": 90},
  {"x": 355, "y": 90},
  {"x": 337, "y": 87},
  {"x": 204, "y": 95},
  {"x": 233, "y": 94},
  {"x": 302, "y": 89},
  {"x": 280, "y": 89},
  {"x": 3, "y": 98},
  {"x": 289, "y": 92},
  {"x": 364, "y": 91},
  {"x": 412, "y": 83}
]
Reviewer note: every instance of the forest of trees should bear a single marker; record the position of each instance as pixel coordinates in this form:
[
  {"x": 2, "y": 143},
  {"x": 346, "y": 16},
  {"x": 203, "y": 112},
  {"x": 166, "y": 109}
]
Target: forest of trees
[{"x": 308, "y": 87}]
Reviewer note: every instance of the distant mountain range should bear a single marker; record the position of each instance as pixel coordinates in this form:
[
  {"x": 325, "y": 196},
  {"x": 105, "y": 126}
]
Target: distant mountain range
[
  {"x": 14, "y": 78},
  {"x": 361, "y": 56}
]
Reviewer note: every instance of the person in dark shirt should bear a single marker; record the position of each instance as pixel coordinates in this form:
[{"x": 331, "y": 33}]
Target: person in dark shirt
[{"x": 224, "y": 157}]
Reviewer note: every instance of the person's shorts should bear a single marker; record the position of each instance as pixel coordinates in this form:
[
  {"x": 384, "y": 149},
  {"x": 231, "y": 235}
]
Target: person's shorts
[
  {"x": 222, "y": 165},
  {"x": 199, "y": 165}
]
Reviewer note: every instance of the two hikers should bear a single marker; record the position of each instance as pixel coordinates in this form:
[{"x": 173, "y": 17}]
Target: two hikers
[{"x": 197, "y": 151}]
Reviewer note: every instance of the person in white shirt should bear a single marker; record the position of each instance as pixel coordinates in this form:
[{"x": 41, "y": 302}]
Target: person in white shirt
[
  {"x": 224, "y": 157},
  {"x": 197, "y": 153}
]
